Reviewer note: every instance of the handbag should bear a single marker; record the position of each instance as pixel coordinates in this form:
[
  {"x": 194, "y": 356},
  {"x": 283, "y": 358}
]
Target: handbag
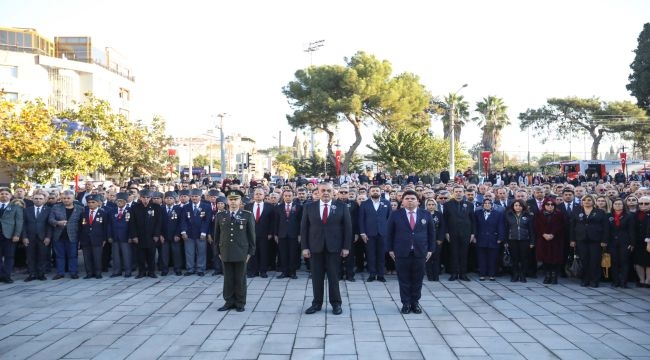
[
  {"x": 506, "y": 259},
  {"x": 574, "y": 265},
  {"x": 606, "y": 263}
]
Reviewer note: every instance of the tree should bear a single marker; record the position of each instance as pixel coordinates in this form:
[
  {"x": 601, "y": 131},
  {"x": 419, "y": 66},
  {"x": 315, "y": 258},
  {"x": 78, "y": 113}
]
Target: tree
[
  {"x": 413, "y": 151},
  {"x": 29, "y": 143},
  {"x": 639, "y": 85},
  {"x": 492, "y": 119},
  {"x": 201, "y": 161},
  {"x": 563, "y": 118},
  {"x": 442, "y": 110},
  {"x": 358, "y": 93}
]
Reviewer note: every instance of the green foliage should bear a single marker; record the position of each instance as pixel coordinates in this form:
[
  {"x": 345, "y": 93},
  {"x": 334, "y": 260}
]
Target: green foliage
[
  {"x": 413, "y": 151},
  {"x": 441, "y": 109},
  {"x": 201, "y": 161},
  {"x": 564, "y": 118},
  {"x": 639, "y": 85},
  {"x": 550, "y": 157},
  {"x": 493, "y": 118},
  {"x": 358, "y": 93}
]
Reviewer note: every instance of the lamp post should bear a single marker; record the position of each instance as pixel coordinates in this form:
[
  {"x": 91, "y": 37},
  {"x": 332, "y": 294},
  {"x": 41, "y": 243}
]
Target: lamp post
[
  {"x": 313, "y": 46},
  {"x": 452, "y": 120},
  {"x": 223, "y": 149}
]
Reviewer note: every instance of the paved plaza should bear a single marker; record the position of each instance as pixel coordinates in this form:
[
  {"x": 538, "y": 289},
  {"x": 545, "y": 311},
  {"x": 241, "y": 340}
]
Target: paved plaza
[{"x": 176, "y": 317}]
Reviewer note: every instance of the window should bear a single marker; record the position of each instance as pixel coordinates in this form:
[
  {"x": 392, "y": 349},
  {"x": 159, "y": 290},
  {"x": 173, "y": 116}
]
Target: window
[
  {"x": 10, "y": 96},
  {"x": 7, "y": 71}
]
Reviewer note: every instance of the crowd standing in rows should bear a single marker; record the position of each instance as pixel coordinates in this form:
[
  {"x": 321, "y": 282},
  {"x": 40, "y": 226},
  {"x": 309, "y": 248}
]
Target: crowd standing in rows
[{"x": 344, "y": 228}]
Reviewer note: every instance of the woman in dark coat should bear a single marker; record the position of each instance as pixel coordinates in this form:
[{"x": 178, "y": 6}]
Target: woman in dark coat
[
  {"x": 549, "y": 233},
  {"x": 622, "y": 234},
  {"x": 521, "y": 238},
  {"x": 589, "y": 231},
  {"x": 490, "y": 232},
  {"x": 641, "y": 253},
  {"x": 433, "y": 264}
]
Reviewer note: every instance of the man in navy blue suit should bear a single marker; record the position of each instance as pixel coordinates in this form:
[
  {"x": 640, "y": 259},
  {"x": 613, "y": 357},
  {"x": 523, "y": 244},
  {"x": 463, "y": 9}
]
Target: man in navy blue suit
[
  {"x": 92, "y": 236},
  {"x": 373, "y": 218},
  {"x": 194, "y": 226},
  {"x": 411, "y": 241}
]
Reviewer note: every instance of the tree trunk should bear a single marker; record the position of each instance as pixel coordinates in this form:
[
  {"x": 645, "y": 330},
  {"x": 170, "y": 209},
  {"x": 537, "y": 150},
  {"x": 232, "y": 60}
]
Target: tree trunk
[
  {"x": 357, "y": 141},
  {"x": 595, "y": 144}
]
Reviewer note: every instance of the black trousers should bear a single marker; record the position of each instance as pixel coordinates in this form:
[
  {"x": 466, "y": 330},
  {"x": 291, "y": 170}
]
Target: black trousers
[
  {"x": 348, "y": 262},
  {"x": 289, "y": 262},
  {"x": 590, "y": 254},
  {"x": 146, "y": 260},
  {"x": 433, "y": 264},
  {"x": 375, "y": 252},
  {"x": 620, "y": 263},
  {"x": 458, "y": 252},
  {"x": 107, "y": 250},
  {"x": 163, "y": 249},
  {"x": 410, "y": 274},
  {"x": 259, "y": 263},
  {"x": 217, "y": 265},
  {"x": 519, "y": 251},
  {"x": 359, "y": 250},
  {"x": 234, "y": 283},
  {"x": 92, "y": 259},
  {"x": 7, "y": 252},
  {"x": 37, "y": 253},
  {"x": 319, "y": 263}
]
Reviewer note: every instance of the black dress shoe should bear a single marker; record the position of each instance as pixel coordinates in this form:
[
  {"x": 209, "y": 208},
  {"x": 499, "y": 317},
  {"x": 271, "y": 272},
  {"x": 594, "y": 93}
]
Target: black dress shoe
[
  {"x": 89, "y": 276},
  {"x": 57, "y": 277},
  {"x": 188, "y": 273},
  {"x": 153, "y": 275},
  {"x": 464, "y": 278},
  {"x": 200, "y": 273},
  {"x": 42, "y": 277},
  {"x": 416, "y": 309},
  {"x": 294, "y": 276},
  {"x": 453, "y": 278},
  {"x": 217, "y": 273},
  {"x": 281, "y": 276},
  {"x": 406, "y": 309},
  {"x": 594, "y": 284},
  {"x": 164, "y": 273},
  {"x": 115, "y": 275},
  {"x": 264, "y": 275},
  {"x": 351, "y": 279},
  {"x": 30, "y": 278},
  {"x": 584, "y": 284},
  {"x": 74, "y": 276},
  {"x": 371, "y": 278},
  {"x": 250, "y": 276},
  {"x": 98, "y": 276},
  {"x": 336, "y": 310},
  {"x": 240, "y": 309},
  {"x": 226, "y": 307},
  {"x": 178, "y": 273},
  {"x": 381, "y": 279},
  {"x": 139, "y": 276},
  {"x": 312, "y": 309},
  {"x": 127, "y": 275},
  {"x": 8, "y": 280},
  {"x": 522, "y": 279}
]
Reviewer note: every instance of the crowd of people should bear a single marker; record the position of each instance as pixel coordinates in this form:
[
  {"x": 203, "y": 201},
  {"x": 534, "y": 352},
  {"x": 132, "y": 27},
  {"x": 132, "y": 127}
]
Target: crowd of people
[{"x": 494, "y": 230}]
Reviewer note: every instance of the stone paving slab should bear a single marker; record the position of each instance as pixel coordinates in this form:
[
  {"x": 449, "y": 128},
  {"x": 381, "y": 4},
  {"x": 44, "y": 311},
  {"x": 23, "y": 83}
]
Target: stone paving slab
[{"x": 176, "y": 318}]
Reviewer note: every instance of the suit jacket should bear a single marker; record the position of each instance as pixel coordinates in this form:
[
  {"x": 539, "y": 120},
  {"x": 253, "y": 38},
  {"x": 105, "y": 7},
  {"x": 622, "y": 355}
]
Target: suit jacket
[
  {"x": 94, "y": 234},
  {"x": 36, "y": 228},
  {"x": 353, "y": 208},
  {"x": 81, "y": 195},
  {"x": 287, "y": 226},
  {"x": 532, "y": 206},
  {"x": 263, "y": 227},
  {"x": 118, "y": 228},
  {"x": 459, "y": 219},
  {"x": 374, "y": 222},
  {"x": 490, "y": 230},
  {"x": 195, "y": 224},
  {"x": 171, "y": 222},
  {"x": 235, "y": 237},
  {"x": 74, "y": 222},
  {"x": 332, "y": 236},
  {"x": 145, "y": 224},
  {"x": 12, "y": 221},
  {"x": 625, "y": 234},
  {"x": 592, "y": 228},
  {"x": 401, "y": 238}
]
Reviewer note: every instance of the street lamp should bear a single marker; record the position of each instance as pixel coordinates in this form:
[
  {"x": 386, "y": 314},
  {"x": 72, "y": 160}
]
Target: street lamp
[
  {"x": 452, "y": 120},
  {"x": 313, "y": 46},
  {"x": 223, "y": 149}
]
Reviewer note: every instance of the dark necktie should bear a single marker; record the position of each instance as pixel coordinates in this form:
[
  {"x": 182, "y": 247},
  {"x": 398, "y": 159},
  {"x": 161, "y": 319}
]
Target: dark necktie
[
  {"x": 412, "y": 220},
  {"x": 257, "y": 214},
  {"x": 38, "y": 211},
  {"x": 119, "y": 214},
  {"x": 325, "y": 214}
]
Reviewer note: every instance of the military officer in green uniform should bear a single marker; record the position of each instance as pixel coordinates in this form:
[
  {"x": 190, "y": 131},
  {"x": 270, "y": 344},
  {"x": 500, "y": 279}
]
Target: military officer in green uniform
[{"x": 234, "y": 232}]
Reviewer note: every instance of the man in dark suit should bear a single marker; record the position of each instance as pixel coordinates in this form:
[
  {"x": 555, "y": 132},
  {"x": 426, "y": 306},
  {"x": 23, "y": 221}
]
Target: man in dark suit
[
  {"x": 348, "y": 262},
  {"x": 36, "y": 236},
  {"x": 11, "y": 226},
  {"x": 170, "y": 238},
  {"x": 65, "y": 218},
  {"x": 373, "y": 218},
  {"x": 411, "y": 241},
  {"x": 325, "y": 236},
  {"x": 536, "y": 207},
  {"x": 287, "y": 234},
  {"x": 235, "y": 236},
  {"x": 118, "y": 236},
  {"x": 459, "y": 220},
  {"x": 263, "y": 214},
  {"x": 195, "y": 225},
  {"x": 81, "y": 196},
  {"x": 92, "y": 236},
  {"x": 144, "y": 230}
]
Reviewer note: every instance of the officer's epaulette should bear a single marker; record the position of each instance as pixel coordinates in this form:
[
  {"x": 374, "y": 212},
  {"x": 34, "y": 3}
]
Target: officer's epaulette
[{"x": 246, "y": 211}]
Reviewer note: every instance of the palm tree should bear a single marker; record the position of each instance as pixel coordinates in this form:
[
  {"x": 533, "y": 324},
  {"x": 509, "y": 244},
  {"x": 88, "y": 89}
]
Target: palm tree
[
  {"x": 493, "y": 119},
  {"x": 442, "y": 109}
]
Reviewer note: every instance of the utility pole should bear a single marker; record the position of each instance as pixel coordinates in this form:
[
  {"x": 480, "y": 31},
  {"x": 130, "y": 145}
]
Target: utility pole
[
  {"x": 313, "y": 46},
  {"x": 223, "y": 148}
]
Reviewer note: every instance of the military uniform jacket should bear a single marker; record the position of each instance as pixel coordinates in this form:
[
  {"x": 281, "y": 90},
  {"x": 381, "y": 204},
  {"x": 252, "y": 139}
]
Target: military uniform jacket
[
  {"x": 118, "y": 227},
  {"x": 145, "y": 224},
  {"x": 235, "y": 237},
  {"x": 171, "y": 222},
  {"x": 96, "y": 233}
]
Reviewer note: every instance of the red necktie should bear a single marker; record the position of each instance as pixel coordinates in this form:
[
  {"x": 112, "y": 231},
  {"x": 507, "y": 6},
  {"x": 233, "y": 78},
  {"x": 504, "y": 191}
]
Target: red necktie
[
  {"x": 412, "y": 220},
  {"x": 119, "y": 214},
  {"x": 257, "y": 214},
  {"x": 92, "y": 216},
  {"x": 287, "y": 210},
  {"x": 325, "y": 214}
]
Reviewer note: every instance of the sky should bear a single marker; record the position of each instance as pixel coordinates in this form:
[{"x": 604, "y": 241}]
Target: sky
[{"x": 196, "y": 59}]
